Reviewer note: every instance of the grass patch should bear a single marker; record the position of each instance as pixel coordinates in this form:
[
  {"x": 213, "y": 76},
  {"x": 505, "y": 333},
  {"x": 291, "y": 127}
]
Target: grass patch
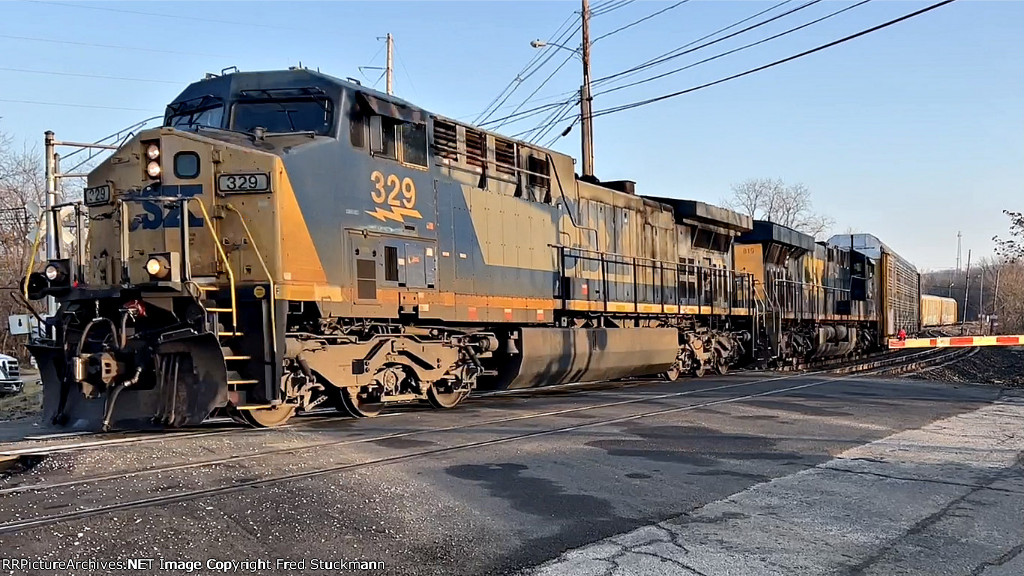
[{"x": 26, "y": 404}]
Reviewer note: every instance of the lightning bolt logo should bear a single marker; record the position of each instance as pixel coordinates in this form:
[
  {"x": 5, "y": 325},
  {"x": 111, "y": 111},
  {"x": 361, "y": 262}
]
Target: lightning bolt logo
[{"x": 397, "y": 213}]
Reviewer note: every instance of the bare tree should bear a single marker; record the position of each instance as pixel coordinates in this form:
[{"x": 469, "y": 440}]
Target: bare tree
[
  {"x": 1008, "y": 291},
  {"x": 21, "y": 184},
  {"x": 786, "y": 204},
  {"x": 1012, "y": 248}
]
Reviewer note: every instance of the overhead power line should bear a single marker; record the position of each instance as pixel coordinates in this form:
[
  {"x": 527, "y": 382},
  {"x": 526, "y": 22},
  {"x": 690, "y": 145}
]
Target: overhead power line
[
  {"x": 842, "y": 40},
  {"x": 564, "y": 132},
  {"x": 570, "y": 111},
  {"x": 525, "y": 113},
  {"x": 644, "y": 19},
  {"x": 609, "y": 7},
  {"x": 541, "y": 60},
  {"x": 547, "y": 98},
  {"x": 735, "y": 50},
  {"x": 115, "y": 47},
  {"x": 71, "y": 105},
  {"x": 679, "y": 51},
  {"x": 192, "y": 17},
  {"x": 543, "y": 83},
  {"x": 82, "y": 75},
  {"x": 523, "y": 74}
]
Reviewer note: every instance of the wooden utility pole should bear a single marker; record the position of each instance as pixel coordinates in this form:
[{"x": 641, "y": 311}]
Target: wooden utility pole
[
  {"x": 586, "y": 100},
  {"x": 390, "y": 70}
]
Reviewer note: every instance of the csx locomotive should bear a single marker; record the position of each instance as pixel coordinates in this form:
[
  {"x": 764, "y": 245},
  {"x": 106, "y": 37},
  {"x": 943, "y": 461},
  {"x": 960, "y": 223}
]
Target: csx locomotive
[{"x": 287, "y": 238}]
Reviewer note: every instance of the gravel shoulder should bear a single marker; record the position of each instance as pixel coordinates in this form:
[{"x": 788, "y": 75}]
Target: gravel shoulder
[{"x": 997, "y": 366}]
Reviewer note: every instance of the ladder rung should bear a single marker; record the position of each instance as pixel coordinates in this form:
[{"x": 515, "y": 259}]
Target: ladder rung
[
  {"x": 218, "y": 309},
  {"x": 242, "y": 382},
  {"x": 229, "y": 358},
  {"x": 228, "y": 334},
  {"x": 207, "y": 288}
]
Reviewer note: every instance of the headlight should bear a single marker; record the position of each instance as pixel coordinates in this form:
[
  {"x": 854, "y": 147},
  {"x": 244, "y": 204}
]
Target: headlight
[
  {"x": 152, "y": 152},
  {"x": 57, "y": 273},
  {"x": 153, "y": 169},
  {"x": 158, "y": 267}
]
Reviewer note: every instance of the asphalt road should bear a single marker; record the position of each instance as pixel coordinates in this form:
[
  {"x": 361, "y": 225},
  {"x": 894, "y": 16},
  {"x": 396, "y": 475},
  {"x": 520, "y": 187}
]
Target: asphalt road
[{"x": 742, "y": 474}]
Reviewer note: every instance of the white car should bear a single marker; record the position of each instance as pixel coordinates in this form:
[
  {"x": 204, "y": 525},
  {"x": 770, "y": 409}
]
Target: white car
[{"x": 10, "y": 376}]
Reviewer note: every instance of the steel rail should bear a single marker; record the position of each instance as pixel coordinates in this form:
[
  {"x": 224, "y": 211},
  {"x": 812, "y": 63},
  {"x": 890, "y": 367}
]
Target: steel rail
[{"x": 24, "y": 524}]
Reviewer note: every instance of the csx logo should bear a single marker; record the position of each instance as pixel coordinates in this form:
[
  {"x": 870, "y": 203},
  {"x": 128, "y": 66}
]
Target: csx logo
[{"x": 158, "y": 215}]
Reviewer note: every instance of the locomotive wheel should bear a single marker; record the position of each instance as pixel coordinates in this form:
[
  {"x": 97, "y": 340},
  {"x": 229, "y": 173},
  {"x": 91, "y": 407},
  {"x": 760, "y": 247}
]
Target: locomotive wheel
[
  {"x": 673, "y": 373},
  {"x": 699, "y": 369},
  {"x": 268, "y": 417},
  {"x": 445, "y": 400},
  {"x": 359, "y": 403}
]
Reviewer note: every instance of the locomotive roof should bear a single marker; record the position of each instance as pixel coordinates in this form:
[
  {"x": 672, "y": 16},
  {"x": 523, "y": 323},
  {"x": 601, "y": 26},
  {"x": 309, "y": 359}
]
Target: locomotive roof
[
  {"x": 700, "y": 212},
  {"x": 232, "y": 84},
  {"x": 765, "y": 231}
]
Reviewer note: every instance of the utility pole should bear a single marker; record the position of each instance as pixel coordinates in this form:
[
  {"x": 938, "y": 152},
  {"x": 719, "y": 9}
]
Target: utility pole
[
  {"x": 390, "y": 70},
  {"x": 952, "y": 277},
  {"x": 981, "y": 293},
  {"x": 967, "y": 291},
  {"x": 959, "y": 236},
  {"x": 586, "y": 100}
]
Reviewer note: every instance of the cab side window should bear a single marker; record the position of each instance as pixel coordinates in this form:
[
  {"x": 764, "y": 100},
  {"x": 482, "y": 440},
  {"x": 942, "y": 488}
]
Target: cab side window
[
  {"x": 414, "y": 144},
  {"x": 357, "y": 128},
  {"x": 396, "y": 140},
  {"x": 383, "y": 137}
]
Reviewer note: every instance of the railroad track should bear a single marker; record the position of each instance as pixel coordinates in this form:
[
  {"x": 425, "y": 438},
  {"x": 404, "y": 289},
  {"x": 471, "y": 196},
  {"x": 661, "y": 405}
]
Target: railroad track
[
  {"x": 822, "y": 377},
  {"x": 103, "y": 440}
]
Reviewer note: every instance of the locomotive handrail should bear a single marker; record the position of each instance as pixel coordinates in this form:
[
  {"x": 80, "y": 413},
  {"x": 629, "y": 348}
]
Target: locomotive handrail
[
  {"x": 223, "y": 257},
  {"x": 695, "y": 272},
  {"x": 184, "y": 222},
  {"x": 35, "y": 250},
  {"x": 270, "y": 280}
]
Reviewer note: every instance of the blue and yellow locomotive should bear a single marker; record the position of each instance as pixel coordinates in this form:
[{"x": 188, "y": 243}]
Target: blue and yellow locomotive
[{"x": 287, "y": 238}]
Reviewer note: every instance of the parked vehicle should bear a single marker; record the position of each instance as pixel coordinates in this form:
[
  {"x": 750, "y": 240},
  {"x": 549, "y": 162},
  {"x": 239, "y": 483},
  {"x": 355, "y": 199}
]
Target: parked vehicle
[{"x": 10, "y": 376}]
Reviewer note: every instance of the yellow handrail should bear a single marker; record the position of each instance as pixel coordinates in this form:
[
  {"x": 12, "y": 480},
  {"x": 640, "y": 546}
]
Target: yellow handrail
[
  {"x": 224, "y": 258},
  {"x": 35, "y": 249},
  {"x": 266, "y": 270}
]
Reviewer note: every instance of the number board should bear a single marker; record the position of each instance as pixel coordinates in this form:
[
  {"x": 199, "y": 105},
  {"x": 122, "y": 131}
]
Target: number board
[
  {"x": 97, "y": 195},
  {"x": 234, "y": 183}
]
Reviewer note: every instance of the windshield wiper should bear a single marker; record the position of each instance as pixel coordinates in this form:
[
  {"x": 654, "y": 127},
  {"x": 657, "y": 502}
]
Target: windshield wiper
[
  {"x": 201, "y": 127},
  {"x": 310, "y": 133}
]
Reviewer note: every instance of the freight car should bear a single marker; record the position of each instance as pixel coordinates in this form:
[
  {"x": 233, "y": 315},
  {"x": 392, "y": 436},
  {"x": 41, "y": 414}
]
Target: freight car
[
  {"x": 937, "y": 311},
  {"x": 288, "y": 238}
]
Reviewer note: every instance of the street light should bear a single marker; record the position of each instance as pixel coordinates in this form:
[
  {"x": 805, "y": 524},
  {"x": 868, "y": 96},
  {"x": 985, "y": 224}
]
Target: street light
[
  {"x": 544, "y": 44},
  {"x": 586, "y": 98}
]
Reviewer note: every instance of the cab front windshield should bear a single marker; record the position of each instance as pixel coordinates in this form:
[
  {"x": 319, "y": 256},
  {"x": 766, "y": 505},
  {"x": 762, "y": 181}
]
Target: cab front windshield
[
  {"x": 310, "y": 114},
  {"x": 205, "y": 111}
]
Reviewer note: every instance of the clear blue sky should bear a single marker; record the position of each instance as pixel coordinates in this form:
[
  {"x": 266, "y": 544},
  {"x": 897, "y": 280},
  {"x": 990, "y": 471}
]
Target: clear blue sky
[{"x": 911, "y": 133}]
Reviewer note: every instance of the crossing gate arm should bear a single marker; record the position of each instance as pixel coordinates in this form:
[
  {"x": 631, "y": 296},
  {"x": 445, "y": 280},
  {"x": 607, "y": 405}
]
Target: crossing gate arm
[{"x": 957, "y": 342}]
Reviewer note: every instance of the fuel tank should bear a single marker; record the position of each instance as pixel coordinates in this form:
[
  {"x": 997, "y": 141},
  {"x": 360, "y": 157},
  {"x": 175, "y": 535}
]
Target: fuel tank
[{"x": 548, "y": 356}]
